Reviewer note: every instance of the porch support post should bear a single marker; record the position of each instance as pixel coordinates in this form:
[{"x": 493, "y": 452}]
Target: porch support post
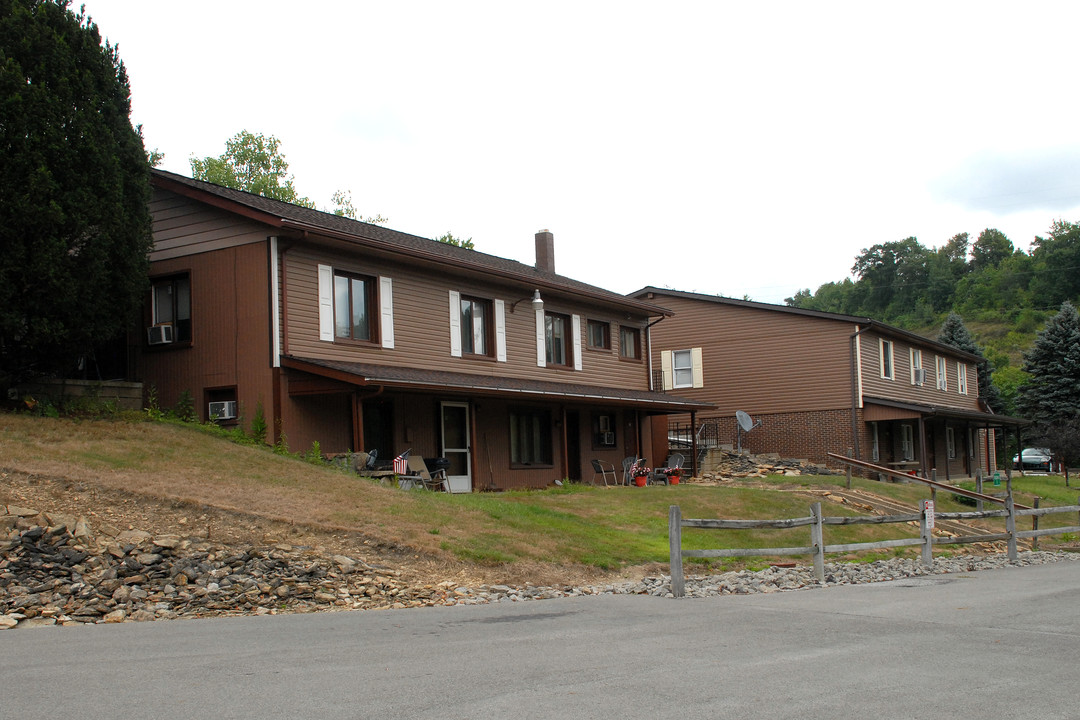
[
  {"x": 923, "y": 452},
  {"x": 357, "y": 423},
  {"x": 565, "y": 446},
  {"x": 693, "y": 444}
]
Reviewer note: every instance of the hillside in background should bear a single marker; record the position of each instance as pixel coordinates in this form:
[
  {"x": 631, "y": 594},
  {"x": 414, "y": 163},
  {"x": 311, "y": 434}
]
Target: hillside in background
[{"x": 1004, "y": 294}]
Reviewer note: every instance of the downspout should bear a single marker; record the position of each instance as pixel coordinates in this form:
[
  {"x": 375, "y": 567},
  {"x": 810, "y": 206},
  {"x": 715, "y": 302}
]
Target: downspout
[
  {"x": 856, "y": 383},
  {"x": 648, "y": 350}
]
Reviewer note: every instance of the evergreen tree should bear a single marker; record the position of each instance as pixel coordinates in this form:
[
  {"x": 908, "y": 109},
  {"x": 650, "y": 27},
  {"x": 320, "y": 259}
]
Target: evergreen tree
[
  {"x": 1052, "y": 393},
  {"x": 74, "y": 191},
  {"x": 954, "y": 333}
]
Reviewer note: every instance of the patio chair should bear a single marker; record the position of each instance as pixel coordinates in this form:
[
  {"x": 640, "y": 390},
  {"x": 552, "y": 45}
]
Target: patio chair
[
  {"x": 418, "y": 469},
  {"x": 603, "y": 470},
  {"x": 663, "y": 474},
  {"x": 627, "y": 465}
]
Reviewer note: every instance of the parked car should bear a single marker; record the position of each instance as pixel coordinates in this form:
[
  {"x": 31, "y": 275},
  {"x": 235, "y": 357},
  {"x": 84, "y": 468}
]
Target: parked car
[{"x": 1033, "y": 459}]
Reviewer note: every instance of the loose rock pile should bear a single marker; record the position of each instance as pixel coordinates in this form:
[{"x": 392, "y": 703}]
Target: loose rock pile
[
  {"x": 53, "y": 570},
  {"x": 728, "y": 464}
]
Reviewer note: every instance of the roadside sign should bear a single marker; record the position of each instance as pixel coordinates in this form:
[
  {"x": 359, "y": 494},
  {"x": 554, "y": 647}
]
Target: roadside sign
[
  {"x": 928, "y": 508},
  {"x": 997, "y": 478}
]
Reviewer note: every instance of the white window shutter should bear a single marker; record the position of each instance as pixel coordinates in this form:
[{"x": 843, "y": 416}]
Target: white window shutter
[
  {"x": 541, "y": 346},
  {"x": 575, "y": 324},
  {"x": 500, "y": 331},
  {"x": 455, "y": 323},
  {"x": 665, "y": 368},
  {"x": 386, "y": 311},
  {"x": 699, "y": 372},
  {"x": 326, "y": 303}
]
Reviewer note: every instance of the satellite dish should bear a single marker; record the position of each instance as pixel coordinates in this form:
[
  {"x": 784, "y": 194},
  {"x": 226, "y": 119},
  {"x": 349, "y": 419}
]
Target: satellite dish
[{"x": 744, "y": 421}]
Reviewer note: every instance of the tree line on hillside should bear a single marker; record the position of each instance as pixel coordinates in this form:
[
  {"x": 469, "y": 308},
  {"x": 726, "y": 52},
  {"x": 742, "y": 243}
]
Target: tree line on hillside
[
  {"x": 1006, "y": 289},
  {"x": 907, "y": 284}
]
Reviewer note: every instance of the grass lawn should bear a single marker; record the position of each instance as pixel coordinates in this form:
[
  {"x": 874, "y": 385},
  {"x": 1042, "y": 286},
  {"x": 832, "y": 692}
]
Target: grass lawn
[{"x": 575, "y": 525}]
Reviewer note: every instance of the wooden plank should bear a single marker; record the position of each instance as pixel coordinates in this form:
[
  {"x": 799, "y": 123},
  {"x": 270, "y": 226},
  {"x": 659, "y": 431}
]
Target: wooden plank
[
  {"x": 870, "y": 519},
  {"x": 1047, "y": 531},
  {"x": 914, "y": 478},
  {"x": 1039, "y": 512},
  {"x": 746, "y": 524},
  {"x": 879, "y": 545},
  {"x": 965, "y": 539},
  {"x": 971, "y": 515},
  {"x": 748, "y": 552}
]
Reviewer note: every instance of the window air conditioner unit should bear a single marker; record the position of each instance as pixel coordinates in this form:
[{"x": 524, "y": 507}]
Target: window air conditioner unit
[
  {"x": 223, "y": 410},
  {"x": 609, "y": 438},
  {"x": 159, "y": 334},
  {"x": 920, "y": 376}
]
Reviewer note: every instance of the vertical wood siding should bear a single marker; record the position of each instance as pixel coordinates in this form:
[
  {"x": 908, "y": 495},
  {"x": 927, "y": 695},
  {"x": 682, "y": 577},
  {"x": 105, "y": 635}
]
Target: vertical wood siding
[{"x": 230, "y": 325}]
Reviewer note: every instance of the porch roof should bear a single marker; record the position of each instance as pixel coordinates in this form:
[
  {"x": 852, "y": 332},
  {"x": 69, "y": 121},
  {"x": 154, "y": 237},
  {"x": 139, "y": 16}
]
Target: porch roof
[
  {"x": 363, "y": 374},
  {"x": 983, "y": 418}
]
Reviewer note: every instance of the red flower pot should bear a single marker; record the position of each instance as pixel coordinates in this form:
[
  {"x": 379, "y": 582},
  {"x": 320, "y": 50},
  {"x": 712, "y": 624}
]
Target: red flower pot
[{"x": 640, "y": 480}]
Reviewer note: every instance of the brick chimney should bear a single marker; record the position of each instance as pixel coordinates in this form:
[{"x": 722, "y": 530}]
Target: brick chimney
[{"x": 545, "y": 251}]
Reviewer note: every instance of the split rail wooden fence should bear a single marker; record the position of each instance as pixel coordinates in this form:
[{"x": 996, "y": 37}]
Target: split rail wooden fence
[{"x": 818, "y": 548}]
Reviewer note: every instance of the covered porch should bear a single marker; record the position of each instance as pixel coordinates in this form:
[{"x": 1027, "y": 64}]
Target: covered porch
[
  {"x": 496, "y": 433},
  {"x": 916, "y": 438}
]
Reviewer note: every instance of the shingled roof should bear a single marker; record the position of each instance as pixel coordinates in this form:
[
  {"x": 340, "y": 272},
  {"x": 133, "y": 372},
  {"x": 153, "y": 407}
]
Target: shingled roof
[
  {"x": 865, "y": 322},
  {"x": 287, "y": 216}
]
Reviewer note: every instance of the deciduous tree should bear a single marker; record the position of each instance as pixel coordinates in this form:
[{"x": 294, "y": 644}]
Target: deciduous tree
[{"x": 254, "y": 163}]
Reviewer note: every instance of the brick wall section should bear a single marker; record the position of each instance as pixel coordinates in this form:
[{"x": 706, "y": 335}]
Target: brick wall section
[{"x": 803, "y": 435}]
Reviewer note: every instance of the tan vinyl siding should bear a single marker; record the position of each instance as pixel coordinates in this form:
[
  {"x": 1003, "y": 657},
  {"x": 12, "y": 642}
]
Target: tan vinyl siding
[
  {"x": 757, "y": 360},
  {"x": 422, "y": 325}
]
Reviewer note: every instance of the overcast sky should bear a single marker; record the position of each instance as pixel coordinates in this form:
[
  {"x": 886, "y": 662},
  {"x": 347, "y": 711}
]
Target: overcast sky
[{"x": 733, "y": 148}]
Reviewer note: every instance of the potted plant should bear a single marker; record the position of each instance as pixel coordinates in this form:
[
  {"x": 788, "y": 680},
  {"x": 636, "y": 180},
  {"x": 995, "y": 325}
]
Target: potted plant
[{"x": 640, "y": 474}]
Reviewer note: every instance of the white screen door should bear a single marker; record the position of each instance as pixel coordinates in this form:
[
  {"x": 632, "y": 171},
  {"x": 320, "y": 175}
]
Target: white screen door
[{"x": 455, "y": 445}]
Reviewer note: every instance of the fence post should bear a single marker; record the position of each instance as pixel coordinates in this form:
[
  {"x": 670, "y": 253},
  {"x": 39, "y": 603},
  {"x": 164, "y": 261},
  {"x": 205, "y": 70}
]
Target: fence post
[
  {"x": 678, "y": 587},
  {"x": 978, "y": 489},
  {"x": 927, "y": 538},
  {"x": 1010, "y": 519},
  {"x": 817, "y": 539},
  {"x": 1035, "y": 525},
  {"x": 849, "y": 454}
]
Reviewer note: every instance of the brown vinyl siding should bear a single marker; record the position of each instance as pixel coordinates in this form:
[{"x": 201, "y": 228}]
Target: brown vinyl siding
[
  {"x": 230, "y": 332},
  {"x": 756, "y": 360},
  {"x": 422, "y": 325},
  {"x": 900, "y": 387},
  {"x": 184, "y": 227}
]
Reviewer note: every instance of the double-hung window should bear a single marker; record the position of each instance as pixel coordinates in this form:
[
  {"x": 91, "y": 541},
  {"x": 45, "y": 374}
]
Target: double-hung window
[
  {"x": 171, "y": 309},
  {"x": 961, "y": 378},
  {"x": 599, "y": 335},
  {"x": 354, "y": 303},
  {"x": 942, "y": 373},
  {"x": 950, "y": 442},
  {"x": 886, "y": 347},
  {"x": 629, "y": 343},
  {"x": 917, "y": 374},
  {"x": 475, "y": 326},
  {"x": 557, "y": 339}
]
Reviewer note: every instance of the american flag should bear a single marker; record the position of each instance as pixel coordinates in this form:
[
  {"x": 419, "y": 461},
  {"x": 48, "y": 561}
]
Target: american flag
[{"x": 401, "y": 463}]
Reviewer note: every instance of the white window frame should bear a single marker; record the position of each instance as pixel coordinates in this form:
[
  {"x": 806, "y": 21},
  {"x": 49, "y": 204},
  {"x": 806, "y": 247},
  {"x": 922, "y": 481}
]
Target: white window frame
[
  {"x": 875, "y": 445},
  {"x": 961, "y": 378},
  {"x": 916, "y": 363},
  {"x": 950, "y": 442},
  {"x": 942, "y": 373},
  {"x": 381, "y": 318},
  {"x": 907, "y": 442},
  {"x": 668, "y": 369},
  {"x": 886, "y": 359}
]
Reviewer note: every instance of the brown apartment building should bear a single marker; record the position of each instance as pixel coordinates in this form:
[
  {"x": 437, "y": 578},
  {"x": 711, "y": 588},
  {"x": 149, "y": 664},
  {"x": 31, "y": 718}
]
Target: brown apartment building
[
  {"x": 823, "y": 382},
  {"x": 358, "y": 337}
]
